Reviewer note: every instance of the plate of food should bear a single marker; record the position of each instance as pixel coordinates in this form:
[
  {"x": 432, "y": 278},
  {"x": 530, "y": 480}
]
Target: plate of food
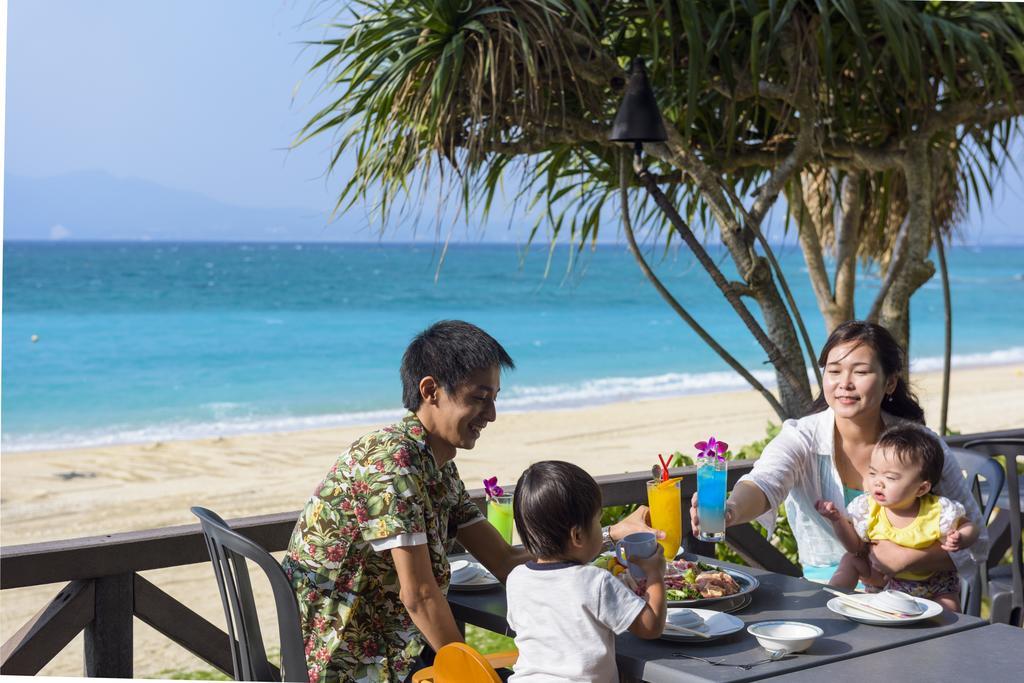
[
  {"x": 692, "y": 583},
  {"x": 470, "y": 575}
]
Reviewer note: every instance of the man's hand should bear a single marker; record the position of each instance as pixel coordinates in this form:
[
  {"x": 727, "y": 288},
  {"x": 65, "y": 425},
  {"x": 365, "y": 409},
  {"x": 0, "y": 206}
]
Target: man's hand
[
  {"x": 953, "y": 542},
  {"x": 828, "y": 510},
  {"x": 640, "y": 520}
]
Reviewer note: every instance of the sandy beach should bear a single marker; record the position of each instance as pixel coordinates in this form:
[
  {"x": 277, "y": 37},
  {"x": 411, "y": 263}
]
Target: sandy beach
[{"x": 52, "y": 495}]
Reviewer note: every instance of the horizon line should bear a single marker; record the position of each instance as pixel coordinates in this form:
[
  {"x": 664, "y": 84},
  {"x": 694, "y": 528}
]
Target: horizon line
[{"x": 406, "y": 242}]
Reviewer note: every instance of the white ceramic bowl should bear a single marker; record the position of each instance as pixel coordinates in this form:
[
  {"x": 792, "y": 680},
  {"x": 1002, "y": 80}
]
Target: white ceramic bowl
[
  {"x": 787, "y": 636},
  {"x": 897, "y": 601}
]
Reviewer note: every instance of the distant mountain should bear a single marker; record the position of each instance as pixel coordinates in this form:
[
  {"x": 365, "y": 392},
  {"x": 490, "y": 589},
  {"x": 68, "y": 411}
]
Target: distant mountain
[{"x": 96, "y": 205}]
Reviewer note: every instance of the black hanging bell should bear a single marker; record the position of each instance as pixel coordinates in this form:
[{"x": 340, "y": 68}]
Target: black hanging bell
[{"x": 638, "y": 119}]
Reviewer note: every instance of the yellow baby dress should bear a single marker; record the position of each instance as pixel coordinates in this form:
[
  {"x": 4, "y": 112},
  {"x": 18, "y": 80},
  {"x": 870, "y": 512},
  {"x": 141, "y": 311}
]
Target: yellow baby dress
[{"x": 936, "y": 517}]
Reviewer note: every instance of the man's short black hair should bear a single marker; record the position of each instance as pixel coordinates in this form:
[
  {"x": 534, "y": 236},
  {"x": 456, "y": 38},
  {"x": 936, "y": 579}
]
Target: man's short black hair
[
  {"x": 551, "y": 499},
  {"x": 912, "y": 445},
  {"x": 449, "y": 351}
]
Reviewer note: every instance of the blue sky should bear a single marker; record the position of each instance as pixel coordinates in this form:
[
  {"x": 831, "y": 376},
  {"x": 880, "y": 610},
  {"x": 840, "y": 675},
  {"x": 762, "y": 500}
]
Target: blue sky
[{"x": 205, "y": 96}]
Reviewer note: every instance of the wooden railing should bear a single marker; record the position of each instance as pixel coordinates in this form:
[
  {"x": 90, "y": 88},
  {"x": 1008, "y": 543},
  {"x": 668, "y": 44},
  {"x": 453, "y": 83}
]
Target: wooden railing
[{"x": 104, "y": 590}]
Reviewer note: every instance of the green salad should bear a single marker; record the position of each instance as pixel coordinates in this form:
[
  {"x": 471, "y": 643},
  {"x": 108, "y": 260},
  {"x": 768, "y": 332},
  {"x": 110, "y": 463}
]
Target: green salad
[{"x": 685, "y": 586}]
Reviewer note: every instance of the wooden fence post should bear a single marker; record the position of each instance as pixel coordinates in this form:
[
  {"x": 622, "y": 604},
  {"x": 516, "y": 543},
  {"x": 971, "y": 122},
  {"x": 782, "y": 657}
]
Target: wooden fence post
[{"x": 108, "y": 639}]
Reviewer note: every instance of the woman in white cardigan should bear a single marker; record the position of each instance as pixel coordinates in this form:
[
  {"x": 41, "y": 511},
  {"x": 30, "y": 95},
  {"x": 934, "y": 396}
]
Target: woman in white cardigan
[{"x": 824, "y": 456}]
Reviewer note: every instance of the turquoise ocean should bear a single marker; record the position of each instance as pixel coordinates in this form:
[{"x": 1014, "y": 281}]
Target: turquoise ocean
[{"x": 145, "y": 341}]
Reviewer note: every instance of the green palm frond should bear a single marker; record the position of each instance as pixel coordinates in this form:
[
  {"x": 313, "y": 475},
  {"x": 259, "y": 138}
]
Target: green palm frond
[{"x": 476, "y": 92}]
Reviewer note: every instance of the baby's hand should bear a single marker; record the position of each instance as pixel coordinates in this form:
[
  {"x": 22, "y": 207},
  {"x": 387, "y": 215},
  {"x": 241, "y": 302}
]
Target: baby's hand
[
  {"x": 828, "y": 510},
  {"x": 953, "y": 542},
  {"x": 653, "y": 567}
]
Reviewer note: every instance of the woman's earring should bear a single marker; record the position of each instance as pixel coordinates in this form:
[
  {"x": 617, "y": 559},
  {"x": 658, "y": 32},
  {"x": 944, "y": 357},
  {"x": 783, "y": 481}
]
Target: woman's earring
[{"x": 889, "y": 398}]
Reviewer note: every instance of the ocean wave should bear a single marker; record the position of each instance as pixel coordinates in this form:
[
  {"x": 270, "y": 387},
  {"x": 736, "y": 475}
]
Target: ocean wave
[
  {"x": 187, "y": 431},
  {"x": 232, "y": 419},
  {"x": 614, "y": 389},
  {"x": 970, "y": 360}
]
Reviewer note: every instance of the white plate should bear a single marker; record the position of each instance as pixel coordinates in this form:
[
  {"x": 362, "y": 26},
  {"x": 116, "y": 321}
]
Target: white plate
[
  {"x": 716, "y": 625},
  {"x": 931, "y": 609},
  {"x": 481, "y": 578}
]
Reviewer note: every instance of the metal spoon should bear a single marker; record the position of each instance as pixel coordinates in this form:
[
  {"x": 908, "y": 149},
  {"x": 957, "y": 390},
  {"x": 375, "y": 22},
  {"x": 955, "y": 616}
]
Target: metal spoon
[{"x": 773, "y": 656}]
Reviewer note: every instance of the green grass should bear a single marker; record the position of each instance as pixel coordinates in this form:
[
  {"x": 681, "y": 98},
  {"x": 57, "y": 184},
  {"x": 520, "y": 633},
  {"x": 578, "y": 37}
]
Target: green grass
[
  {"x": 202, "y": 675},
  {"x": 482, "y": 640},
  {"x": 487, "y": 642}
]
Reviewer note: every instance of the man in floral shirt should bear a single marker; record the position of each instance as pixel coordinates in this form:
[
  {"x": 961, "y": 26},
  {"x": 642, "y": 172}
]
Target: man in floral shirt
[{"x": 369, "y": 556}]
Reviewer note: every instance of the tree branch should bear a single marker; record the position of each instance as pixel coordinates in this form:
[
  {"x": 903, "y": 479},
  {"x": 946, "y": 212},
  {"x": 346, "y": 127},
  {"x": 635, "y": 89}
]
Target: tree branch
[
  {"x": 769, "y": 191},
  {"x": 678, "y": 308},
  {"x": 846, "y": 242},
  {"x": 900, "y": 251},
  {"x": 810, "y": 244},
  {"x": 774, "y": 354},
  {"x": 745, "y": 90},
  {"x": 977, "y": 113}
]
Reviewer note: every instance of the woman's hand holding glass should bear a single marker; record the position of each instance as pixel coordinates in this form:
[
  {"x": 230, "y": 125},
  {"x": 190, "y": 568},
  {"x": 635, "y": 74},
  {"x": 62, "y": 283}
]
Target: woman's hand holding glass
[{"x": 730, "y": 514}]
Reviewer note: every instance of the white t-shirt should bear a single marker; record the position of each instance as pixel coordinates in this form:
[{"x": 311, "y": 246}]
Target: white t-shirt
[{"x": 566, "y": 617}]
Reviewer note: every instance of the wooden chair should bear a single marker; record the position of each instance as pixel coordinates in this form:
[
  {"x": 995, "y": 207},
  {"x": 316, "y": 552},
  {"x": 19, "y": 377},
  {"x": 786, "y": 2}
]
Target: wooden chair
[
  {"x": 460, "y": 663},
  {"x": 228, "y": 552}
]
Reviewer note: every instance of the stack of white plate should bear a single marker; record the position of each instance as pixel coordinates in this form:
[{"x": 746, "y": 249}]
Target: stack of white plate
[{"x": 468, "y": 574}]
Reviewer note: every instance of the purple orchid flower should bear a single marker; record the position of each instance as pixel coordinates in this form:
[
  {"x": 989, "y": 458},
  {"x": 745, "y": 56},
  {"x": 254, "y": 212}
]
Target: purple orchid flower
[
  {"x": 712, "y": 448},
  {"x": 492, "y": 489}
]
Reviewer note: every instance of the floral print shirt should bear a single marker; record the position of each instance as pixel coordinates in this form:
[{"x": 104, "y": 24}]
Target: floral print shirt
[{"x": 386, "y": 486}]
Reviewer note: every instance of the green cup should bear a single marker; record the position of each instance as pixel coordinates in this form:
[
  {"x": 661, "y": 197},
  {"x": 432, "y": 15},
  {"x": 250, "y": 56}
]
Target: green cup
[{"x": 499, "y": 514}]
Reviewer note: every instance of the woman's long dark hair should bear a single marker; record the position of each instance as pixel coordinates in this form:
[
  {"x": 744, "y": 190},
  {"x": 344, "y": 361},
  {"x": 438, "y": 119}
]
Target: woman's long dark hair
[{"x": 901, "y": 402}]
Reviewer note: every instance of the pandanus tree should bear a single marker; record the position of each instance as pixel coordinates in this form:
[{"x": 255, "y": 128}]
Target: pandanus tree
[{"x": 876, "y": 122}]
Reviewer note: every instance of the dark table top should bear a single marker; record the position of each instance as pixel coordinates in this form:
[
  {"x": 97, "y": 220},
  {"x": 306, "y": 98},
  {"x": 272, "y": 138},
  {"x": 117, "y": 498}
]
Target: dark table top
[
  {"x": 778, "y": 597},
  {"x": 988, "y": 653}
]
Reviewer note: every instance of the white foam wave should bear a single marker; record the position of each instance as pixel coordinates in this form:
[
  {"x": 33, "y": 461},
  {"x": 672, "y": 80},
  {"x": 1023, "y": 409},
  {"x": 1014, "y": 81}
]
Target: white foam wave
[
  {"x": 186, "y": 431},
  {"x": 970, "y": 360},
  {"x": 231, "y": 419},
  {"x": 612, "y": 389}
]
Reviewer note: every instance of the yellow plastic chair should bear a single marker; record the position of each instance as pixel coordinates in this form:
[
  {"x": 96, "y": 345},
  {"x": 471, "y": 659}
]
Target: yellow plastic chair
[{"x": 460, "y": 663}]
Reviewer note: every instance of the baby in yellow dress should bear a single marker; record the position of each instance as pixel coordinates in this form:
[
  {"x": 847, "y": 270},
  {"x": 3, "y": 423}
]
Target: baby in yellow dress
[{"x": 898, "y": 506}]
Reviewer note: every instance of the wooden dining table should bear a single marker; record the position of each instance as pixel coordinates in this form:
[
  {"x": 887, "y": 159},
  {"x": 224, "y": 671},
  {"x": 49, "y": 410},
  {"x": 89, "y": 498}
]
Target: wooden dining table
[{"x": 778, "y": 597}]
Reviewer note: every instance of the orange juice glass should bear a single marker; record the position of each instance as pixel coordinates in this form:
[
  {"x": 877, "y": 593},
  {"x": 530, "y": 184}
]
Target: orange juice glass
[{"x": 665, "y": 500}]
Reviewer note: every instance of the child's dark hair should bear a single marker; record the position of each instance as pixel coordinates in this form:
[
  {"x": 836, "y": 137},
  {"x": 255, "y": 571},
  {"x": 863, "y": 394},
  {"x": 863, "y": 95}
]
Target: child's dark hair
[
  {"x": 551, "y": 498},
  {"x": 912, "y": 445},
  {"x": 449, "y": 351}
]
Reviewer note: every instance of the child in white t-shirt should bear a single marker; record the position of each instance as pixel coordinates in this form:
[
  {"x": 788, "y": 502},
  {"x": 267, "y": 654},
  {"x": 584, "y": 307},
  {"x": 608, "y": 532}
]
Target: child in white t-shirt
[{"x": 566, "y": 612}]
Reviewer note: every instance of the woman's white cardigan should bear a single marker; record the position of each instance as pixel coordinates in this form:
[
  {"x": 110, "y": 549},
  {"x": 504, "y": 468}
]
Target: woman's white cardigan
[{"x": 797, "y": 467}]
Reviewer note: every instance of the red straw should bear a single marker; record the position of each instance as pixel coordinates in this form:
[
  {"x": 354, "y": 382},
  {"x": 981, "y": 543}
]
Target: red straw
[{"x": 664, "y": 468}]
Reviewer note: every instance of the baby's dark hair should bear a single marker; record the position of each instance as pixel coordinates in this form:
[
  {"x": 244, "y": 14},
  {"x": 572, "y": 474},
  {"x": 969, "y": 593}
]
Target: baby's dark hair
[
  {"x": 912, "y": 445},
  {"x": 551, "y": 498}
]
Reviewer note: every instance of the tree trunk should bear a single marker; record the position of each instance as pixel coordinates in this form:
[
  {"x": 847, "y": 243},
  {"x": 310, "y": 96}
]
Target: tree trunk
[
  {"x": 916, "y": 269},
  {"x": 847, "y": 239},
  {"x": 779, "y": 327},
  {"x": 811, "y": 210}
]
